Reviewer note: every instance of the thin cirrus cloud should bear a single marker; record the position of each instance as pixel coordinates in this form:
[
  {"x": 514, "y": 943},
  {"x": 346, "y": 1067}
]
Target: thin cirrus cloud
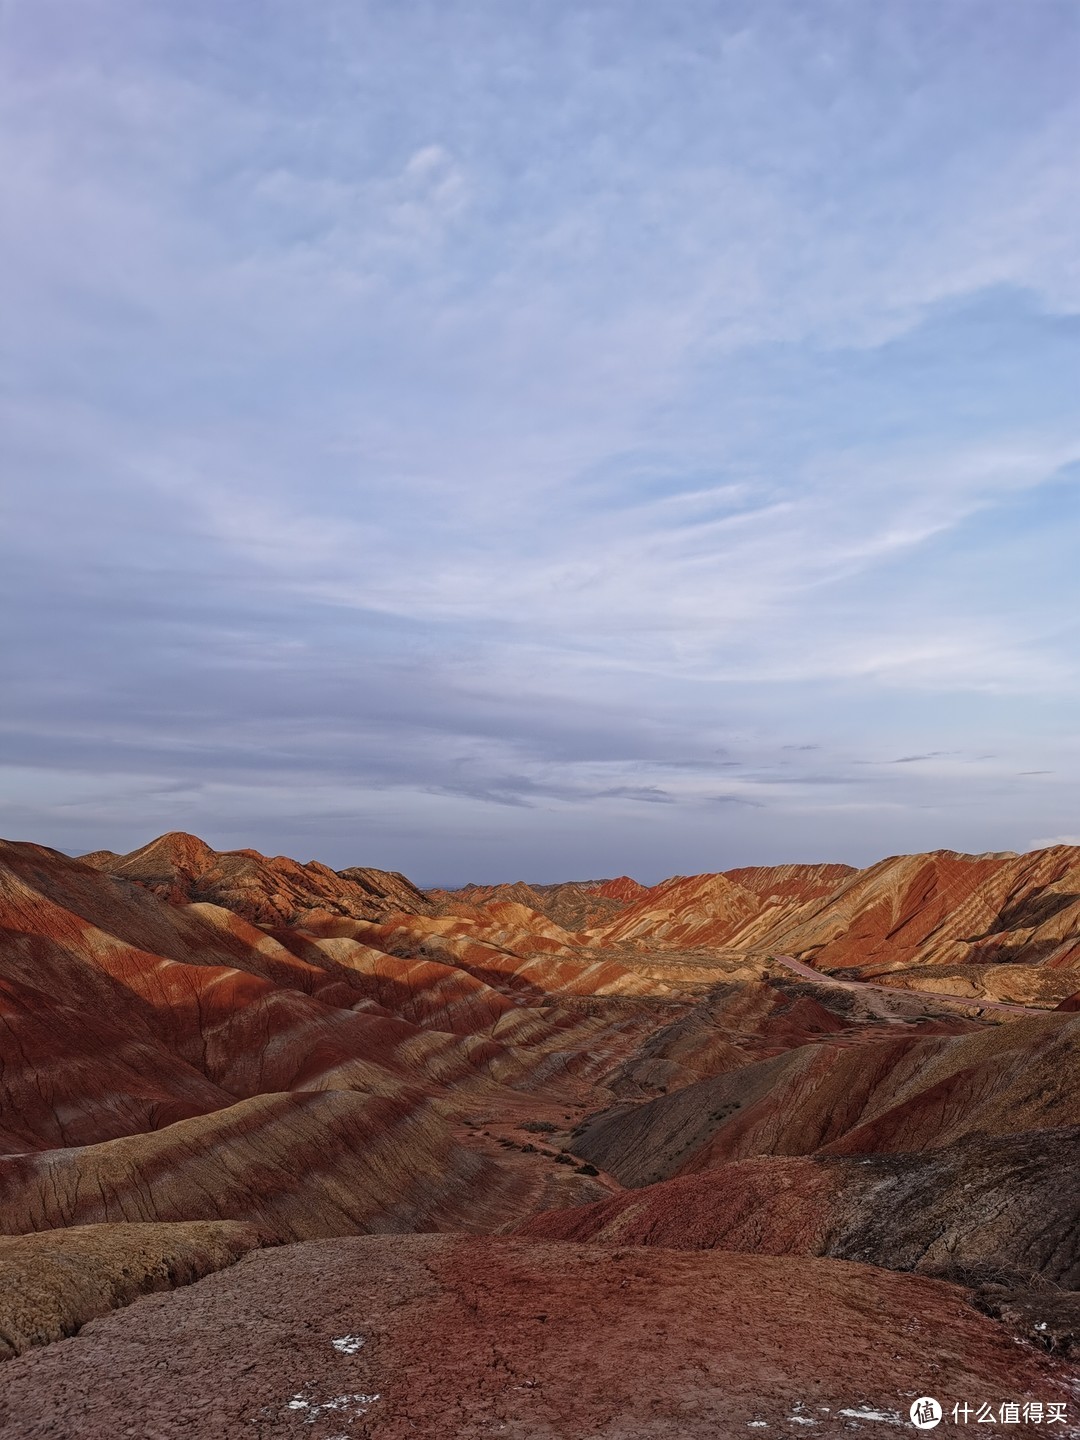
[{"x": 542, "y": 440}]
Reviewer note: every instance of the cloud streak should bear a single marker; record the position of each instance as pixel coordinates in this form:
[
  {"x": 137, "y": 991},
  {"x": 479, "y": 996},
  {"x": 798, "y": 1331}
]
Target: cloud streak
[{"x": 467, "y": 429}]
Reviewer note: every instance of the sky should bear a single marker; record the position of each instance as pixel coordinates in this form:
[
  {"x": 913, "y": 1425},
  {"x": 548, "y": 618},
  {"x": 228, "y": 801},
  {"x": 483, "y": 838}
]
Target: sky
[{"x": 541, "y": 440}]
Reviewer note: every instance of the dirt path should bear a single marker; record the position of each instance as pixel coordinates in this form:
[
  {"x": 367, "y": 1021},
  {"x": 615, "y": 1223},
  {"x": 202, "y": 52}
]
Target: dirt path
[{"x": 809, "y": 973}]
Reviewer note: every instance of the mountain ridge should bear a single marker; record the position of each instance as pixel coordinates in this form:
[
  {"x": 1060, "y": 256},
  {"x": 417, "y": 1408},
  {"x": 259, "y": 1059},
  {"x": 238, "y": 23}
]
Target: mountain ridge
[{"x": 534, "y": 1078}]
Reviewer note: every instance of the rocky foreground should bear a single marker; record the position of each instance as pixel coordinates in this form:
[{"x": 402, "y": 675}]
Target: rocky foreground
[
  {"x": 442, "y": 1335},
  {"x": 290, "y": 1151}
]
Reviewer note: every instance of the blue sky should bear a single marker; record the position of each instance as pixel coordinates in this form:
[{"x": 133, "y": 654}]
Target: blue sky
[{"x": 493, "y": 440}]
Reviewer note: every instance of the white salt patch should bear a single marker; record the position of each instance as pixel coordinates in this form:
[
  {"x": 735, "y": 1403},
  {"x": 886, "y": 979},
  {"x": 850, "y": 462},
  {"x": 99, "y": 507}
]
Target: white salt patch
[
  {"x": 351, "y": 1405},
  {"x": 865, "y": 1413},
  {"x": 803, "y": 1420},
  {"x": 349, "y": 1344}
]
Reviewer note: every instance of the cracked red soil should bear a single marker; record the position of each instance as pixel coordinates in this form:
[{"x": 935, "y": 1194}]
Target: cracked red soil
[{"x": 469, "y": 1338}]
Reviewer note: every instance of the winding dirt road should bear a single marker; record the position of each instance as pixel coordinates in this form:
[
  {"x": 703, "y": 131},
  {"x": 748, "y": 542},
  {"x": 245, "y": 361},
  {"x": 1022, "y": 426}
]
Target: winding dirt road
[{"x": 809, "y": 973}]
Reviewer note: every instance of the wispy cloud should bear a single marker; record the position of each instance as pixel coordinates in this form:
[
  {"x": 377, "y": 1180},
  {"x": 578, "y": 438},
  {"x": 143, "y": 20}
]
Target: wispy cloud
[{"x": 451, "y": 423}]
